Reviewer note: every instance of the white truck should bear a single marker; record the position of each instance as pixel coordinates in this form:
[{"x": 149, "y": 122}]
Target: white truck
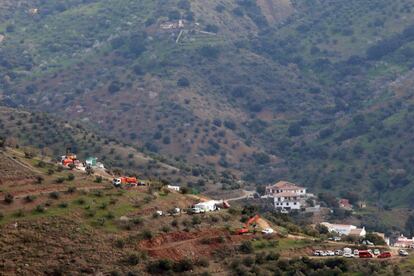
[{"x": 203, "y": 207}]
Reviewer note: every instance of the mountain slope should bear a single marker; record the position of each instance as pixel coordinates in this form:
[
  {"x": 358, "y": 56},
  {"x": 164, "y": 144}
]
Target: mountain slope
[{"x": 261, "y": 89}]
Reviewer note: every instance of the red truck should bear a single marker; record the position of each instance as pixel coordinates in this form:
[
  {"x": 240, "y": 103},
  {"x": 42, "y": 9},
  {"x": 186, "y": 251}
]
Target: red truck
[{"x": 118, "y": 182}]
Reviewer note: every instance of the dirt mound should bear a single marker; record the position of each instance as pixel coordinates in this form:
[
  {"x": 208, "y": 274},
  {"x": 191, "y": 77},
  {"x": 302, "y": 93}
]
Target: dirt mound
[{"x": 193, "y": 245}]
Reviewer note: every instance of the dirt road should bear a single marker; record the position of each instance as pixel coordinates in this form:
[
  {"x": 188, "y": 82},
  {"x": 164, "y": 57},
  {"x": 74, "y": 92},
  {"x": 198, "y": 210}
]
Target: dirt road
[{"x": 246, "y": 194}]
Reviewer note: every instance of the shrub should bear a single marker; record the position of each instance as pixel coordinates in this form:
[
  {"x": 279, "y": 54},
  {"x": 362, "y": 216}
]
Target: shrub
[
  {"x": 101, "y": 221},
  {"x": 110, "y": 215},
  {"x": 165, "y": 229},
  {"x": 203, "y": 262},
  {"x": 196, "y": 220},
  {"x": 248, "y": 261},
  {"x": 246, "y": 247},
  {"x": 272, "y": 256},
  {"x": 183, "y": 82},
  {"x": 19, "y": 213},
  {"x": 40, "y": 209},
  {"x": 146, "y": 234},
  {"x": 183, "y": 265},
  {"x": 80, "y": 201},
  {"x": 132, "y": 259},
  {"x": 41, "y": 164},
  {"x": 39, "y": 179},
  {"x": 114, "y": 87},
  {"x": 71, "y": 190},
  {"x": 90, "y": 213},
  {"x": 98, "y": 179},
  {"x": 54, "y": 195},
  {"x": 60, "y": 180},
  {"x": 211, "y": 52},
  {"x": 70, "y": 177},
  {"x": 9, "y": 198},
  {"x": 160, "y": 266},
  {"x": 137, "y": 221},
  {"x": 63, "y": 205},
  {"x": 29, "y": 198},
  {"x": 119, "y": 243},
  {"x": 113, "y": 201}
]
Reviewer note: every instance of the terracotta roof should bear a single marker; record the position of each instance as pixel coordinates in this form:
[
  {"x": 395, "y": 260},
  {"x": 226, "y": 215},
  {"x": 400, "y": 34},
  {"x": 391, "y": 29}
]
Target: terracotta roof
[
  {"x": 285, "y": 194},
  {"x": 286, "y": 185}
]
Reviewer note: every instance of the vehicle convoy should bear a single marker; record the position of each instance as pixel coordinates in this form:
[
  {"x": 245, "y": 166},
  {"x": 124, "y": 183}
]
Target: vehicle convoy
[
  {"x": 245, "y": 229},
  {"x": 118, "y": 182}
]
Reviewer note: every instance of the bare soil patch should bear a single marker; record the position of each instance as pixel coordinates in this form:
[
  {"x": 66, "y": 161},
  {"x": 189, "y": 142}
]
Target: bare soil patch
[{"x": 194, "y": 245}]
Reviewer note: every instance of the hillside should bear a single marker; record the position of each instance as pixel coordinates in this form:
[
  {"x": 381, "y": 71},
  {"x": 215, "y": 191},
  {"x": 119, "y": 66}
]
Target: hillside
[
  {"x": 80, "y": 226},
  {"x": 317, "y": 92},
  {"x": 47, "y": 136}
]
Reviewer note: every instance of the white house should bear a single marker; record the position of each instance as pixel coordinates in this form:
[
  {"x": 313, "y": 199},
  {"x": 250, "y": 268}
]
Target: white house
[
  {"x": 173, "y": 188},
  {"x": 345, "y": 229},
  {"x": 404, "y": 242},
  {"x": 287, "y": 196},
  {"x": 207, "y": 206}
]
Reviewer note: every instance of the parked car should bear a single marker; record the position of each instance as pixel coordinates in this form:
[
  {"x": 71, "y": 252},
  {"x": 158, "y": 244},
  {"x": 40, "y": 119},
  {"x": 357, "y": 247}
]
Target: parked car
[
  {"x": 356, "y": 252},
  {"x": 377, "y": 251},
  {"x": 317, "y": 253},
  {"x": 348, "y": 255},
  {"x": 323, "y": 253},
  {"x": 330, "y": 253},
  {"x": 347, "y": 250},
  {"x": 268, "y": 231},
  {"x": 196, "y": 210},
  {"x": 402, "y": 252},
  {"x": 384, "y": 255},
  {"x": 365, "y": 254},
  {"x": 338, "y": 252}
]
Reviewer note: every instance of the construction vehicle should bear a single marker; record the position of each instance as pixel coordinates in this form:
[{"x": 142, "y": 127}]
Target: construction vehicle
[
  {"x": 245, "y": 229},
  {"x": 118, "y": 182},
  {"x": 68, "y": 158}
]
